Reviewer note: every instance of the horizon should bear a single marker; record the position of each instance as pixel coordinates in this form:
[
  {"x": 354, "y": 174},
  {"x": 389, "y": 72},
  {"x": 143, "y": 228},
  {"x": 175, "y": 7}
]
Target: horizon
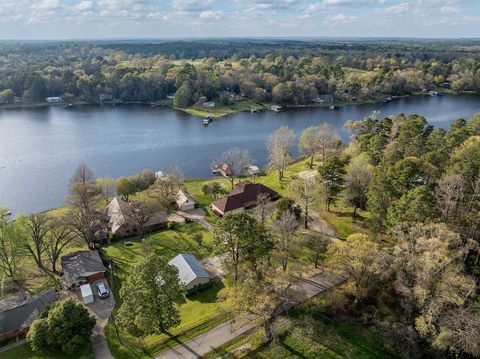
[{"x": 64, "y": 20}]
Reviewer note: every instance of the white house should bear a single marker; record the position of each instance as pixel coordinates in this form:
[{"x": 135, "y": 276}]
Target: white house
[
  {"x": 208, "y": 104},
  {"x": 87, "y": 294},
  {"x": 53, "y": 99},
  {"x": 184, "y": 201},
  {"x": 190, "y": 270}
]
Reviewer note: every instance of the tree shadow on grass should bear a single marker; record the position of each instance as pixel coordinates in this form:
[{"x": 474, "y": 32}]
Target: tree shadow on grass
[
  {"x": 296, "y": 353},
  {"x": 207, "y": 295}
]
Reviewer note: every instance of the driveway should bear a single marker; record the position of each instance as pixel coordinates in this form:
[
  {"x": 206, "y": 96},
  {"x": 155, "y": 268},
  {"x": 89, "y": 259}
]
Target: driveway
[
  {"x": 197, "y": 215},
  {"x": 101, "y": 310}
]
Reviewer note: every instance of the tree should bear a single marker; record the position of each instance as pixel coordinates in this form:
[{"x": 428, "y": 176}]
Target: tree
[
  {"x": 318, "y": 243},
  {"x": 66, "y": 327},
  {"x": 284, "y": 227},
  {"x": 232, "y": 235},
  {"x": 286, "y": 204},
  {"x": 140, "y": 212},
  {"x": 37, "y": 229},
  {"x": 150, "y": 297},
  {"x": 234, "y": 163},
  {"x": 309, "y": 143},
  {"x": 6, "y": 96},
  {"x": 264, "y": 208},
  {"x": 306, "y": 191},
  {"x": 332, "y": 173},
  {"x": 61, "y": 235},
  {"x": 83, "y": 190},
  {"x": 182, "y": 97},
  {"x": 261, "y": 299},
  {"x": 359, "y": 259},
  {"x": 327, "y": 138},
  {"x": 126, "y": 186},
  {"x": 278, "y": 148},
  {"x": 357, "y": 180},
  {"x": 429, "y": 278},
  {"x": 107, "y": 187},
  {"x": 11, "y": 247},
  {"x": 416, "y": 206}
]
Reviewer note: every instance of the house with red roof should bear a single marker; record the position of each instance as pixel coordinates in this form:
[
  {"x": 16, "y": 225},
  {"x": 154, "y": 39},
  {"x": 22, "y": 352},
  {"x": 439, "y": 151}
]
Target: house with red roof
[{"x": 244, "y": 195}]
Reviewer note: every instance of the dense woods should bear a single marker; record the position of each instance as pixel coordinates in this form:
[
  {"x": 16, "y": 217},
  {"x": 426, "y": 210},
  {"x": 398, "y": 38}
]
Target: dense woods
[{"x": 288, "y": 72}]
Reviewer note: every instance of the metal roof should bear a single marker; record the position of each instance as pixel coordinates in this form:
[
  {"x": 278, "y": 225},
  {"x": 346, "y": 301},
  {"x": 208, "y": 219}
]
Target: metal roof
[{"x": 189, "y": 268}]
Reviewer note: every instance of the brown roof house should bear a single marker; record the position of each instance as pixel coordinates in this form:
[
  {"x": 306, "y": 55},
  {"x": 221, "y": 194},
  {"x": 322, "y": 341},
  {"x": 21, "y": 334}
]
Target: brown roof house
[
  {"x": 244, "y": 195},
  {"x": 80, "y": 268},
  {"x": 18, "y": 312},
  {"x": 122, "y": 227}
]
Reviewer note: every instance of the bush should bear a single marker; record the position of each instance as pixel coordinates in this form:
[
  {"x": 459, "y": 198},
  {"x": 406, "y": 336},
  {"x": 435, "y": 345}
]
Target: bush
[
  {"x": 198, "y": 237},
  {"x": 65, "y": 327}
]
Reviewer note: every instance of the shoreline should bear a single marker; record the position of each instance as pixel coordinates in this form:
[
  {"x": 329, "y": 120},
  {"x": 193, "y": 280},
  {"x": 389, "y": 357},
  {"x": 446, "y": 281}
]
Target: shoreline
[{"x": 226, "y": 110}]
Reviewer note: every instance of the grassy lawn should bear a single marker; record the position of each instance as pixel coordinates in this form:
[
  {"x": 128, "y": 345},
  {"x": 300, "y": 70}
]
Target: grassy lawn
[
  {"x": 24, "y": 352},
  {"x": 198, "y": 314},
  {"x": 221, "y": 110},
  {"x": 326, "y": 342}
]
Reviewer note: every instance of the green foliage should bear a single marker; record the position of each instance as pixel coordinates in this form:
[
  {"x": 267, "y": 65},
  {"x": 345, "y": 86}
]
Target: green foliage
[
  {"x": 182, "y": 97},
  {"x": 150, "y": 297},
  {"x": 285, "y": 204},
  {"x": 332, "y": 173},
  {"x": 416, "y": 206},
  {"x": 66, "y": 328}
]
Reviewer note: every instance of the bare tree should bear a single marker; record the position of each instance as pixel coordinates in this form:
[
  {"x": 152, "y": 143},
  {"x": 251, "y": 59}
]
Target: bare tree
[
  {"x": 61, "y": 235},
  {"x": 37, "y": 227},
  {"x": 107, "y": 187},
  {"x": 449, "y": 194},
  {"x": 284, "y": 228},
  {"x": 86, "y": 225},
  {"x": 11, "y": 246},
  {"x": 309, "y": 143},
  {"x": 279, "y": 145},
  {"x": 318, "y": 243},
  {"x": 233, "y": 163},
  {"x": 84, "y": 192},
  {"x": 357, "y": 180},
  {"x": 264, "y": 208},
  {"x": 327, "y": 139},
  {"x": 140, "y": 212},
  {"x": 306, "y": 192}
]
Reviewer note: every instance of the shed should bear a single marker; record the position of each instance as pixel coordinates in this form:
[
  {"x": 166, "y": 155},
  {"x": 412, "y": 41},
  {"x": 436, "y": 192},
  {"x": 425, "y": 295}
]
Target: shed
[
  {"x": 190, "y": 270},
  {"x": 87, "y": 294},
  {"x": 184, "y": 201}
]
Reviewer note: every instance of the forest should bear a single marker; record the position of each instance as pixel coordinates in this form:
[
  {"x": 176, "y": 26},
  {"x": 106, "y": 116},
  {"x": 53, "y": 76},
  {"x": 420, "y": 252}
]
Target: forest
[{"x": 288, "y": 72}]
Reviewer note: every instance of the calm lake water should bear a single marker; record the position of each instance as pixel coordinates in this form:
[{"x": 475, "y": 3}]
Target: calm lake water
[{"x": 40, "y": 149}]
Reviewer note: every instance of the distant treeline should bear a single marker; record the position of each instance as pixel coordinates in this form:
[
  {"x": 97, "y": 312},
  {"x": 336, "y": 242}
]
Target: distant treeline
[{"x": 284, "y": 71}]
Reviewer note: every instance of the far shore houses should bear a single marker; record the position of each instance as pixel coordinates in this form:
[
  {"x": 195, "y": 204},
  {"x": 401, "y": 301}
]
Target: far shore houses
[{"x": 244, "y": 195}]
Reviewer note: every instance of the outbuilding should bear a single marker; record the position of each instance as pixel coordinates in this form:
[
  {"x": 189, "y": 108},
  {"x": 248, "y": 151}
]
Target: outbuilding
[
  {"x": 191, "y": 272},
  {"x": 87, "y": 294},
  {"x": 184, "y": 201}
]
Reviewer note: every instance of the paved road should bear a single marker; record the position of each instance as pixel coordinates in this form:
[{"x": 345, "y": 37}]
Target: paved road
[{"x": 221, "y": 334}]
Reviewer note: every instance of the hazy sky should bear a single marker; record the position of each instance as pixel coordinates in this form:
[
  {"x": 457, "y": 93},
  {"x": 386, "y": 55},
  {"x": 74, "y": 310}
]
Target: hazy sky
[{"x": 74, "y": 19}]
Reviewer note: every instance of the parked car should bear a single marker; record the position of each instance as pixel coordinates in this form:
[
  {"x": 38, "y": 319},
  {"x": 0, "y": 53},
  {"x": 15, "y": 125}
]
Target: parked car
[{"x": 102, "y": 291}]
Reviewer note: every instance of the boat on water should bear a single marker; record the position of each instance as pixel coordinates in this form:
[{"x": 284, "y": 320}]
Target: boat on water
[
  {"x": 334, "y": 107},
  {"x": 253, "y": 110},
  {"x": 207, "y": 120}
]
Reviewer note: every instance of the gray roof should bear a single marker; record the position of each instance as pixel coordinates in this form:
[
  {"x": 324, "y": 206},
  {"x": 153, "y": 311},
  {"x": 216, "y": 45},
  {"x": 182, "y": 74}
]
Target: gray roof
[
  {"x": 79, "y": 265},
  {"x": 189, "y": 268},
  {"x": 23, "y": 314}
]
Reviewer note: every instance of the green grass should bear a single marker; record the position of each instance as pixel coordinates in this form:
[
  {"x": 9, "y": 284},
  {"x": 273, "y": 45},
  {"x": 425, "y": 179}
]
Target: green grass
[
  {"x": 24, "y": 352},
  {"x": 221, "y": 110},
  {"x": 321, "y": 341},
  {"x": 198, "y": 314}
]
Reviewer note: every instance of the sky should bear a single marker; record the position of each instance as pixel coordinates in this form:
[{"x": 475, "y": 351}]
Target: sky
[{"x": 111, "y": 19}]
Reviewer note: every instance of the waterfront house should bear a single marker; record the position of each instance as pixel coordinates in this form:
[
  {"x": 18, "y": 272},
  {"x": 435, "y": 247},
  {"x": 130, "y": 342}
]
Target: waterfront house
[
  {"x": 120, "y": 224},
  {"x": 53, "y": 99},
  {"x": 323, "y": 99},
  {"x": 190, "y": 271},
  {"x": 208, "y": 104},
  {"x": 184, "y": 202},
  {"x": 18, "y": 312},
  {"x": 244, "y": 195},
  {"x": 80, "y": 268}
]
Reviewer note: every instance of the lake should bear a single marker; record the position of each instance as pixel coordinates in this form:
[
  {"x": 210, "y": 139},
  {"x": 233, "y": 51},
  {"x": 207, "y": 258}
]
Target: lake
[{"x": 41, "y": 148}]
